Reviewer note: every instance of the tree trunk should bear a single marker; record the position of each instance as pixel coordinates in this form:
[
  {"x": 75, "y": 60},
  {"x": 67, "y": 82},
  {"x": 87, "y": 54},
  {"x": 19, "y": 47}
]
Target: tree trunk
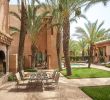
[
  {"x": 90, "y": 56},
  {"x": 66, "y": 37},
  {"x": 23, "y": 32},
  {"x": 83, "y": 54},
  {"x": 33, "y": 50},
  {"x": 58, "y": 47}
]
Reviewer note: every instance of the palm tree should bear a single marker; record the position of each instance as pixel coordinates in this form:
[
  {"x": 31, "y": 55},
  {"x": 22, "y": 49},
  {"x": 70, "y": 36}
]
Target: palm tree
[
  {"x": 82, "y": 43},
  {"x": 92, "y": 34},
  {"x": 68, "y": 8},
  {"x": 74, "y": 47},
  {"x": 23, "y": 31},
  {"x": 56, "y": 22},
  {"x": 34, "y": 25}
]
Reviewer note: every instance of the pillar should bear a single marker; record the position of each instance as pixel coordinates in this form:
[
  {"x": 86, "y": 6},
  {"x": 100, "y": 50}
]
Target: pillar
[{"x": 7, "y": 58}]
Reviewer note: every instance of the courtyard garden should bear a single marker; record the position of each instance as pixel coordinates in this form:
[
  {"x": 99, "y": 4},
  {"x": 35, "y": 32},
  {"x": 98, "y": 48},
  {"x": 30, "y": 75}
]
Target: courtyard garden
[{"x": 34, "y": 37}]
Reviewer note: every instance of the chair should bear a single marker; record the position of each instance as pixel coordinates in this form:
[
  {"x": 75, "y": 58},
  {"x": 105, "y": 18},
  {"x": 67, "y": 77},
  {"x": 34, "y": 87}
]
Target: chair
[
  {"x": 20, "y": 82},
  {"x": 24, "y": 75},
  {"x": 52, "y": 76},
  {"x": 53, "y": 82}
]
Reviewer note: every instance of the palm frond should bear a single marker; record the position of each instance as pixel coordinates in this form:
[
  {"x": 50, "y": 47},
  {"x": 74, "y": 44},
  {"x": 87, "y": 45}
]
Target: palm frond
[
  {"x": 15, "y": 14},
  {"x": 93, "y": 2},
  {"x": 13, "y": 30}
]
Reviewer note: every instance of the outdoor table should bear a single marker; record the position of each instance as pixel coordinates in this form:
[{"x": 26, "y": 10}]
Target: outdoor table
[{"x": 39, "y": 77}]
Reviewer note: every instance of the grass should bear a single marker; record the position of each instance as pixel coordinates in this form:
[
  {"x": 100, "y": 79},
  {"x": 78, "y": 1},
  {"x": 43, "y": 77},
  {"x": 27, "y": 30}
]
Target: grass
[
  {"x": 97, "y": 92},
  {"x": 86, "y": 73}
]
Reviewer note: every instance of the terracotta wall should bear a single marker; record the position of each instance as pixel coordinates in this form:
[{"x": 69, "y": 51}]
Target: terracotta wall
[
  {"x": 3, "y": 17},
  {"x": 106, "y": 45},
  {"x": 14, "y": 44},
  {"x": 108, "y": 50},
  {"x": 46, "y": 42},
  {"x": 13, "y": 63}
]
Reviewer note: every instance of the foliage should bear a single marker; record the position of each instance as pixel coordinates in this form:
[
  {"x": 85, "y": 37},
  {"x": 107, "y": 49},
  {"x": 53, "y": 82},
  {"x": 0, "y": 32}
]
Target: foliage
[
  {"x": 30, "y": 70},
  {"x": 87, "y": 73},
  {"x": 78, "y": 58},
  {"x": 107, "y": 65},
  {"x": 97, "y": 92},
  {"x": 11, "y": 77},
  {"x": 92, "y": 33},
  {"x": 93, "y": 2},
  {"x": 74, "y": 48}
]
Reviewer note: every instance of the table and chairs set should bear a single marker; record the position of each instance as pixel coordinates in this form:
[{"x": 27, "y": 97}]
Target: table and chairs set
[{"x": 39, "y": 78}]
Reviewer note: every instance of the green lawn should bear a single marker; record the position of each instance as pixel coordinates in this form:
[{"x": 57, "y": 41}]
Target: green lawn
[
  {"x": 98, "y": 92},
  {"x": 86, "y": 73}
]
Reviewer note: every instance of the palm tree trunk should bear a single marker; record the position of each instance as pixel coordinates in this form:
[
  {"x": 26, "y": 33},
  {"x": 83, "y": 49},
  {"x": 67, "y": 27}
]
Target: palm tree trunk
[
  {"x": 58, "y": 47},
  {"x": 90, "y": 56},
  {"x": 33, "y": 50},
  {"x": 83, "y": 54},
  {"x": 23, "y": 32},
  {"x": 66, "y": 37}
]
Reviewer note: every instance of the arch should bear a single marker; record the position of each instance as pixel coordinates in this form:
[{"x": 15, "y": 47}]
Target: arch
[
  {"x": 2, "y": 62},
  {"x": 2, "y": 55}
]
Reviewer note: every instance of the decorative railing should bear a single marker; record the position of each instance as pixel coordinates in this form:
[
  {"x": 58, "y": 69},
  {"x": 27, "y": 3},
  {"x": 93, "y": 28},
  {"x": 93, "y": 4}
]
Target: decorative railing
[{"x": 5, "y": 39}]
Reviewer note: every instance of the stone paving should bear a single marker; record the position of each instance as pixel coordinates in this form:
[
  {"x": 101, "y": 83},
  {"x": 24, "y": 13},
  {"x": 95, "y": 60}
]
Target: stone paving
[
  {"x": 68, "y": 90},
  {"x": 8, "y": 91}
]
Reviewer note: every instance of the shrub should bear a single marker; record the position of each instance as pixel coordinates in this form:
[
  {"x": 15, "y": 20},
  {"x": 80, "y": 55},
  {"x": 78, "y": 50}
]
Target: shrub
[
  {"x": 30, "y": 70},
  {"x": 11, "y": 77},
  {"x": 107, "y": 65}
]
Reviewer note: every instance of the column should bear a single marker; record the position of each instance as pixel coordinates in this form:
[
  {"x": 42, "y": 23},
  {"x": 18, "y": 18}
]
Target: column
[{"x": 7, "y": 58}]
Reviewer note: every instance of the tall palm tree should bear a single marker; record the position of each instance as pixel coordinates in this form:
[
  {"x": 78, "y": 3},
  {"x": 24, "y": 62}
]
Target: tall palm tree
[
  {"x": 56, "y": 22},
  {"x": 68, "y": 8},
  {"x": 92, "y": 34},
  {"x": 23, "y": 31},
  {"x": 34, "y": 25}
]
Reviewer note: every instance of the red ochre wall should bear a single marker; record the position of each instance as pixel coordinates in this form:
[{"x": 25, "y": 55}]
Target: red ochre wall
[{"x": 46, "y": 42}]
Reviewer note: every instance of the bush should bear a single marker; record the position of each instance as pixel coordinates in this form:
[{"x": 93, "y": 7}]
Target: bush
[
  {"x": 30, "y": 70},
  {"x": 11, "y": 77},
  {"x": 107, "y": 65}
]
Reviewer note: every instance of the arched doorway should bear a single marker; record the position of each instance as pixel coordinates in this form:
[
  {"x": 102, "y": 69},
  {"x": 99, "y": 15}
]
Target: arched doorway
[{"x": 2, "y": 62}]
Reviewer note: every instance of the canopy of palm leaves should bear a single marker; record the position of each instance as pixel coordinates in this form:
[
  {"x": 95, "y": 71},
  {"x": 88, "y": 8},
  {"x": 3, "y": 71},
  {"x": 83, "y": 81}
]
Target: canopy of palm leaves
[
  {"x": 74, "y": 47},
  {"x": 93, "y": 32}
]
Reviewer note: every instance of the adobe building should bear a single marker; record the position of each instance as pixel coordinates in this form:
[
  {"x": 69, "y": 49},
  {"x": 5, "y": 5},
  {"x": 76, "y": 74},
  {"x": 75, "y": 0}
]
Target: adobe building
[
  {"x": 46, "y": 44},
  {"x": 101, "y": 52},
  {"x": 5, "y": 38}
]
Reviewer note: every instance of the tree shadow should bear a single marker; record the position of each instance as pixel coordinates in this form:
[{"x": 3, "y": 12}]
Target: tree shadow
[{"x": 30, "y": 89}]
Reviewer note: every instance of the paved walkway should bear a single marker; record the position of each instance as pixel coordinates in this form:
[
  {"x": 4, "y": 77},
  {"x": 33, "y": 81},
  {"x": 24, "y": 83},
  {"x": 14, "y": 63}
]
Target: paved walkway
[
  {"x": 100, "y": 67},
  {"x": 68, "y": 89}
]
